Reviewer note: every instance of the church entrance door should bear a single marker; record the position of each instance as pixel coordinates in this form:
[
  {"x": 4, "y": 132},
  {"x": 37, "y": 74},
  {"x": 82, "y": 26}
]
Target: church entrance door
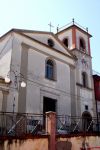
[{"x": 49, "y": 104}]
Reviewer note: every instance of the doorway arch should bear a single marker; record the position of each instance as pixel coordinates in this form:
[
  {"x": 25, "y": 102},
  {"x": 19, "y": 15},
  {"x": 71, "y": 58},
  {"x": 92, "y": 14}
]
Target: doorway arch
[{"x": 87, "y": 124}]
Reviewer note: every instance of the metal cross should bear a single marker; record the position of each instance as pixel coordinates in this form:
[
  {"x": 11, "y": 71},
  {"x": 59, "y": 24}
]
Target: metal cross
[{"x": 51, "y": 26}]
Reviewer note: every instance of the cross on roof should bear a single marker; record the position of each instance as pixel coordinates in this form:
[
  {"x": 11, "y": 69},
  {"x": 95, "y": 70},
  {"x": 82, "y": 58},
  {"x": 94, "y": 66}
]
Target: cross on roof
[{"x": 51, "y": 26}]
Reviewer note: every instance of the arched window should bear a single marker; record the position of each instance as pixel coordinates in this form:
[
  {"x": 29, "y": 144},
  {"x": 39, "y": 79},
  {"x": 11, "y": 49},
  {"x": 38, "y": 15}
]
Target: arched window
[
  {"x": 50, "y": 42},
  {"x": 82, "y": 44},
  {"x": 65, "y": 41},
  {"x": 84, "y": 79},
  {"x": 50, "y": 69}
]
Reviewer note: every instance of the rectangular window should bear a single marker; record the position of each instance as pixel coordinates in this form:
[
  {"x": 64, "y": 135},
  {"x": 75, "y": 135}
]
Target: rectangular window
[{"x": 86, "y": 107}]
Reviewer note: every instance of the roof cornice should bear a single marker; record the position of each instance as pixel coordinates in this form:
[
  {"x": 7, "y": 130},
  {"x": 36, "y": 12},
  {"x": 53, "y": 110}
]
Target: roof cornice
[{"x": 70, "y": 27}]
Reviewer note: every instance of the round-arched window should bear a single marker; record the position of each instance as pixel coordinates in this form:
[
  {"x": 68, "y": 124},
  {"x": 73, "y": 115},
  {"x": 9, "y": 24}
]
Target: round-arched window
[
  {"x": 82, "y": 44},
  {"x": 50, "y": 69},
  {"x": 65, "y": 41},
  {"x": 50, "y": 42},
  {"x": 84, "y": 79}
]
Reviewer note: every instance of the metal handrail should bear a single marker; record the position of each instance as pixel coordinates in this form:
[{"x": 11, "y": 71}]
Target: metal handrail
[
  {"x": 12, "y": 128},
  {"x": 15, "y": 124}
]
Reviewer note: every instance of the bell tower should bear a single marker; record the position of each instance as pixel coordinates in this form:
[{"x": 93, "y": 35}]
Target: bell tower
[
  {"x": 75, "y": 37},
  {"x": 77, "y": 40}
]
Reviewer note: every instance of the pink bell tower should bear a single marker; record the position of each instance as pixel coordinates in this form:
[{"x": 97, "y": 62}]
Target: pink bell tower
[{"x": 75, "y": 37}]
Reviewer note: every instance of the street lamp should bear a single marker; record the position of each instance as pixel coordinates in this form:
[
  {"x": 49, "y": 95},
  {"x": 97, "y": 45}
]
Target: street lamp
[{"x": 16, "y": 81}]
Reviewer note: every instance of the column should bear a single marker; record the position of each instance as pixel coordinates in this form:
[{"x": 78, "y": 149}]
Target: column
[{"x": 51, "y": 129}]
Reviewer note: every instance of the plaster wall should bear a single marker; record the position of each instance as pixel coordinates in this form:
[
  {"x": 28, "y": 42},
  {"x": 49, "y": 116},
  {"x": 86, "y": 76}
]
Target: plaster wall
[
  {"x": 86, "y": 99},
  {"x": 39, "y": 86},
  {"x": 35, "y": 77},
  {"x": 5, "y": 55}
]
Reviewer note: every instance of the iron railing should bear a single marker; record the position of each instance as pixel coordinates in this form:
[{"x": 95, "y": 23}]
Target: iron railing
[
  {"x": 69, "y": 125},
  {"x": 18, "y": 124}
]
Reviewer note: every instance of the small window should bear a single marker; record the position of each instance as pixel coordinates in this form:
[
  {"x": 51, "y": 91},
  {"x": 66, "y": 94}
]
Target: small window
[
  {"x": 86, "y": 107},
  {"x": 99, "y": 114},
  {"x": 84, "y": 79},
  {"x": 65, "y": 41},
  {"x": 82, "y": 44},
  {"x": 50, "y": 42},
  {"x": 50, "y": 69}
]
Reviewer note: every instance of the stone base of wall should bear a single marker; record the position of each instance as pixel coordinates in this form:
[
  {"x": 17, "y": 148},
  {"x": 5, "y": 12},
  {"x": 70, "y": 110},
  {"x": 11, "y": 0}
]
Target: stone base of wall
[{"x": 42, "y": 143}]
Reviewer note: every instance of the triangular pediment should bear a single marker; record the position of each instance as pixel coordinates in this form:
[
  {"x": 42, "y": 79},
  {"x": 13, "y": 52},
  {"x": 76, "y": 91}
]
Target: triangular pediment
[{"x": 43, "y": 37}]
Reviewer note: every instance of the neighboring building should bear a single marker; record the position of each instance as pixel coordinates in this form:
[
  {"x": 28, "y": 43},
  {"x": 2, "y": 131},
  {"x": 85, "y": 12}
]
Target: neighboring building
[
  {"x": 56, "y": 68},
  {"x": 96, "y": 78}
]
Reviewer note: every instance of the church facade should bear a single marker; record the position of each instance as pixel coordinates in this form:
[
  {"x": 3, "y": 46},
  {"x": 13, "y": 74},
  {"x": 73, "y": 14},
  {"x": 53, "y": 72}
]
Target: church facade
[{"x": 55, "y": 69}]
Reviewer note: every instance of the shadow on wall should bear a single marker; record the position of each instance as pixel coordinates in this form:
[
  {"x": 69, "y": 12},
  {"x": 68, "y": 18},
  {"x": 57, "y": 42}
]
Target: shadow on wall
[{"x": 63, "y": 145}]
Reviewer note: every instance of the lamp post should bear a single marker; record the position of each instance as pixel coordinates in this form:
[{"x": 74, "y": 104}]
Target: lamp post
[{"x": 16, "y": 81}]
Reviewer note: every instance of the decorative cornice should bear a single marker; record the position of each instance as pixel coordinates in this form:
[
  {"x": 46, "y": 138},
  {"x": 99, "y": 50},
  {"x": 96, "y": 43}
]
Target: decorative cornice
[{"x": 79, "y": 84}]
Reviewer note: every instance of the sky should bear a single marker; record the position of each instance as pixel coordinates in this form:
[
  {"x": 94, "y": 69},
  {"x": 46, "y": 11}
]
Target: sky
[{"x": 37, "y": 14}]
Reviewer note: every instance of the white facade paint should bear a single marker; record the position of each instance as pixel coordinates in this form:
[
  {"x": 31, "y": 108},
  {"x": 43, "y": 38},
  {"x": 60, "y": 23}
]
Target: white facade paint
[{"x": 36, "y": 73}]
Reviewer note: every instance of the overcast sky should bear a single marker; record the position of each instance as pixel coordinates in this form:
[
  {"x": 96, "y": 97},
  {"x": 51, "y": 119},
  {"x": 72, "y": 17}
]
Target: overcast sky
[{"x": 36, "y": 15}]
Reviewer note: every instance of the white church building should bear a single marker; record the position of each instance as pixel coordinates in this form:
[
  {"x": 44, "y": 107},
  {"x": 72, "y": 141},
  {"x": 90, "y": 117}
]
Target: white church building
[{"x": 43, "y": 71}]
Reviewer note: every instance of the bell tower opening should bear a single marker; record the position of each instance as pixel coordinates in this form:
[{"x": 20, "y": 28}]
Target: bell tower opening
[
  {"x": 82, "y": 44},
  {"x": 65, "y": 41}
]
